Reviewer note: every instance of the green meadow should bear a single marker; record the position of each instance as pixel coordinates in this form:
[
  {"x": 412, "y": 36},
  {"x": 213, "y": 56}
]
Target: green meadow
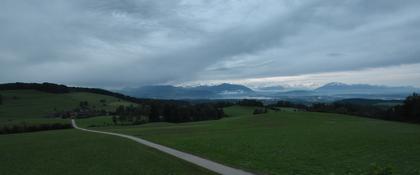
[
  {"x": 290, "y": 142},
  {"x": 71, "y": 151},
  {"x": 24, "y": 104},
  {"x": 77, "y": 152}
]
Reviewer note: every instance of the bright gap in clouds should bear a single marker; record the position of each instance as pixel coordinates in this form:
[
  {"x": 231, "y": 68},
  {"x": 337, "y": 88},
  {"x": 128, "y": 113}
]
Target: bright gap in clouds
[{"x": 402, "y": 75}]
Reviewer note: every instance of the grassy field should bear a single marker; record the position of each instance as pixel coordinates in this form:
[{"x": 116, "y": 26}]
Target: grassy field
[
  {"x": 71, "y": 151},
  {"x": 292, "y": 142},
  {"x": 23, "y": 104},
  {"x": 76, "y": 152}
]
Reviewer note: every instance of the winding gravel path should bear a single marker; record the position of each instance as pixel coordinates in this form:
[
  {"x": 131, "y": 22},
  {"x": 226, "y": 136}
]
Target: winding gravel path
[{"x": 208, "y": 164}]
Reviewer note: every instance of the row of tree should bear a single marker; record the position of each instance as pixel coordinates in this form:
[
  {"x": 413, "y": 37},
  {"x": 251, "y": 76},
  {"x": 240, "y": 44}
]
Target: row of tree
[
  {"x": 290, "y": 105},
  {"x": 250, "y": 102},
  {"x": 409, "y": 111},
  {"x": 24, "y": 127},
  {"x": 58, "y": 88},
  {"x": 174, "y": 113},
  {"x": 133, "y": 115},
  {"x": 45, "y": 87}
]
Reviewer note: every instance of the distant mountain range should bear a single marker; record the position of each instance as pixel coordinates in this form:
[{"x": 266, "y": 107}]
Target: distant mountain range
[
  {"x": 271, "y": 88},
  {"x": 341, "y": 88},
  {"x": 328, "y": 92},
  {"x": 224, "y": 90}
]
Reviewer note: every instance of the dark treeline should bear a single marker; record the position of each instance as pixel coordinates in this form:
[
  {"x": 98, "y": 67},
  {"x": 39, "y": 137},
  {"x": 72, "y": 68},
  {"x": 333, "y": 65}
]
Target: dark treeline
[
  {"x": 1, "y": 99},
  {"x": 349, "y": 108},
  {"x": 132, "y": 115},
  {"x": 223, "y": 104},
  {"x": 249, "y": 102},
  {"x": 167, "y": 112},
  {"x": 57, "y": 88},
  {"x": 45, "y": 87},
  {"x": 83, "y": 111},
  {"x": 114, "y": 94},
  {"x": 23, "y": 127},
  {"x": 290, "y": 105},
  {"x": 409, "y": 111}
]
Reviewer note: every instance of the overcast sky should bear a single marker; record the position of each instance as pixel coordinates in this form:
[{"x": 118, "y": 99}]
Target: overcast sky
[{"x": 119, "y": 43}]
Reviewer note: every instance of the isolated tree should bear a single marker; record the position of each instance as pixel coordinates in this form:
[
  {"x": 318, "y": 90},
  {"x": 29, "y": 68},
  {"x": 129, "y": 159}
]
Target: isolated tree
[
  {"x": 411, "y": 107},
  {"x": 114, "y": 120},
  {"x": 83, "y": 104}
]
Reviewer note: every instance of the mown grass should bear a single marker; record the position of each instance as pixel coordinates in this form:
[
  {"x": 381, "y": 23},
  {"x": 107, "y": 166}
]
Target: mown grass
[
  {"x": 23, "y": 104},
  {"x": 292, "y": 142},
  {"x": 76, "y": 152}
]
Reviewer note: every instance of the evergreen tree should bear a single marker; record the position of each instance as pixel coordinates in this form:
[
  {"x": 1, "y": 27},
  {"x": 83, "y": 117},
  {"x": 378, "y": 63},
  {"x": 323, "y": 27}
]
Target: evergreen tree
[
  {"x": 114, "y": 120},
  {"x": 411, "y": 108}
]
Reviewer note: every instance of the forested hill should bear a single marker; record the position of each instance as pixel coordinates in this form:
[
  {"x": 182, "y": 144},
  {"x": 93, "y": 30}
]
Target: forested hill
[
  {"x": 58, "y": 88},
  {"x": 142, "y": 110}
]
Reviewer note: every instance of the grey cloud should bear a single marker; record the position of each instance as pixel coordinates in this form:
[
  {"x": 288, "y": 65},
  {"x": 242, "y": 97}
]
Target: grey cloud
[
  {"x": 110, "y": 43},
  {"x": 367, "y": 44}
]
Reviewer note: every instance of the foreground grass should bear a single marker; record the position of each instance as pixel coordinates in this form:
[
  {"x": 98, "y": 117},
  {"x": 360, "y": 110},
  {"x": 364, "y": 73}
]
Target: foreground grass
[
  {"x": 292, "y": 142},
  {"x": 77, "y": 152}
]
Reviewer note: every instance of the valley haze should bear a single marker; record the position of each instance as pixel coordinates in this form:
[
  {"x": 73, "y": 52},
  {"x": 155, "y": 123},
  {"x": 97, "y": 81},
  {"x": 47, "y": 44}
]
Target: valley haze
[{"x": 328, "y": 92}]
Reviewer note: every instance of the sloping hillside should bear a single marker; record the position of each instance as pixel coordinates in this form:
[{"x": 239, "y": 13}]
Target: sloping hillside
[{"x": 36, "y": 104}]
